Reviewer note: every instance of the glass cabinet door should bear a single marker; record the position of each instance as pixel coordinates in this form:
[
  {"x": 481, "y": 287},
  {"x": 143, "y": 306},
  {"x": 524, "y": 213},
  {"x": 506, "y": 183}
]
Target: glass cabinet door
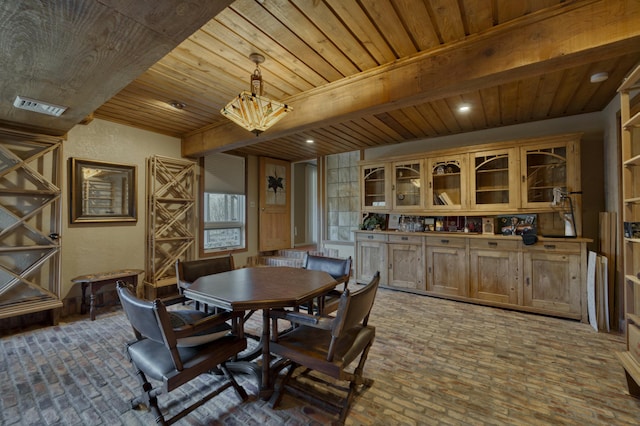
[
  {"x": 407, "y": 185},
  {"x": 495, "y": 180},
  {"x": 375, "y": 194},
  {"x": 544, "y": 168},
  {"x": 447, "y": 185}
]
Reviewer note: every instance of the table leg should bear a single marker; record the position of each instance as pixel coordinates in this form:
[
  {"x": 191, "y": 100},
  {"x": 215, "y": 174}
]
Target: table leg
[
  {"x": 266, "y": 391},
  {"x": 92, "y": 301},
  {"x": 83, "y": 305}
]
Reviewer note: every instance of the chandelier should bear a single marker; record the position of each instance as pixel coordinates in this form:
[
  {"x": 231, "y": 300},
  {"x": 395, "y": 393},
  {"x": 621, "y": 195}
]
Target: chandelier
[{"x": 250, "y": 109}]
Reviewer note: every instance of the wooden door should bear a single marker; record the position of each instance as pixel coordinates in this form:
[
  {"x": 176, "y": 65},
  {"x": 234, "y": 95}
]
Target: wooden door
[
  {"x": 552, "y": 282},
  {"x": 275, "y": 205},
  {"x": 495, "y": 270},
  {"x": 406, "y": 266},
  {"x": 447, "y": 266},
  {"x": 371, "y": 257}
]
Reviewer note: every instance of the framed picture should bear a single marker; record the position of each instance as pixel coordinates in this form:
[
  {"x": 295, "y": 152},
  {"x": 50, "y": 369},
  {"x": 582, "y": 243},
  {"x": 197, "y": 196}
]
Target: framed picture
[
  {"x": 276, "y": 184},
  {"x": 101, "y": 191},
  {"x": 394, "y": 221},
  {"x": 516, "y": 224}
]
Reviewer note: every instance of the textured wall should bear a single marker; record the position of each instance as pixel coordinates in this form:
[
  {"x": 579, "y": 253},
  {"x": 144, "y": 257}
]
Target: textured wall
[{"x": 89, "y": 248}]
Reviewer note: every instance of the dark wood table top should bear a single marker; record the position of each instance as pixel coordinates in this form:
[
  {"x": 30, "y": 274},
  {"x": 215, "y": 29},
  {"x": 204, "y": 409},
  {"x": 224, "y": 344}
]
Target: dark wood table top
[
  {"x": 260, "y": 288},
  {"x": 102, "y": 276}
]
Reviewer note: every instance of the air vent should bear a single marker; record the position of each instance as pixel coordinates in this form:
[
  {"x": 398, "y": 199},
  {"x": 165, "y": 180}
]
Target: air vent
[{"x": 38, "y": 106}]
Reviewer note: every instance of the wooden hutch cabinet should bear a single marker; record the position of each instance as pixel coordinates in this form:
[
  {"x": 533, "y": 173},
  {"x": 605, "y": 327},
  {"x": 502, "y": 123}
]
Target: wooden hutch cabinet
[
  {"x": 516, "y": 177},
  {"x": 547, "y": 278}
]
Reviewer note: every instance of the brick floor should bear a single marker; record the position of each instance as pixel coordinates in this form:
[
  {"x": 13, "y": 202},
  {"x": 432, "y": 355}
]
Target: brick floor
[{"x": 434, "y": 362}]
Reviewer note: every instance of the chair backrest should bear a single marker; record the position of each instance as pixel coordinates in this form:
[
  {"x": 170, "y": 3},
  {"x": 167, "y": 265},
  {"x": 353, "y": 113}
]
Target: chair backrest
[
  {"x": 353, "y": 310},
  {"x": 190, "y": 270},
  {"x": 150, "y": 320},
  {"x": 339, "y": 269}
]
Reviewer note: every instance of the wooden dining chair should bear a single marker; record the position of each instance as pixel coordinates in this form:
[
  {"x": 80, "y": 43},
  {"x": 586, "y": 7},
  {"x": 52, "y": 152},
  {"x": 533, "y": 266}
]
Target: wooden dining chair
[
  {"x": 340, "y": 270},
  {"x": 328, "y": 346},
  {"x": 187, "y": 271},
  {"x": 174, "y": 348}
]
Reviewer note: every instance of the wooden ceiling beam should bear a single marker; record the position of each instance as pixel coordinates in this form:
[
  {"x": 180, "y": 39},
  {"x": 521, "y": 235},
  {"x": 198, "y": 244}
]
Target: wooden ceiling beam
[{"x": 532, "y": 46}]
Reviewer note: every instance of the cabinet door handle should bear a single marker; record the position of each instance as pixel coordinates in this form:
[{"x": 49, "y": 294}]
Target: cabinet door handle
[
  {"x": 429, "y": 269},
  {"x": 526, "y": 280},
  {"x": 493, "y": 243},
  {"x": 524, "y": 179},
  {"x": 390, "y": 266},
  {"x": 444, "y": 241},
  {"x": 370, "y": 237},
  {"x": 550, "y": 246},
  {"x": 405, "y": 238}
]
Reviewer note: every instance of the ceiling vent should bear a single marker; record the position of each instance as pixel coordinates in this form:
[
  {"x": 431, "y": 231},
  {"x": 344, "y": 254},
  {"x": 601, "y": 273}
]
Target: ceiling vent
[{"x": 38, "y": 106}]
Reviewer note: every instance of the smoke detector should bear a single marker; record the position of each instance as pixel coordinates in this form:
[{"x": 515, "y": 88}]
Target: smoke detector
[{"x": 39, "y": 106}]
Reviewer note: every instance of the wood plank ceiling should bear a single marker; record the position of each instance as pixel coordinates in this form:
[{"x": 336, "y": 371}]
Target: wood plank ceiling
[{"x": 364, "y": 73}]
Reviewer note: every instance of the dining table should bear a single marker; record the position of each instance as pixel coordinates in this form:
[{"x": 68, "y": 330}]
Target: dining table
[{"x": 261, "y": 288}]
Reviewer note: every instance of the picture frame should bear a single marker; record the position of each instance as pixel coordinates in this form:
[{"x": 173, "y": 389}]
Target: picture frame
[
  {"x": 101, "y": 191},
  {"x": 516, "y": 224},
  {"x": 394, "y": 222}
]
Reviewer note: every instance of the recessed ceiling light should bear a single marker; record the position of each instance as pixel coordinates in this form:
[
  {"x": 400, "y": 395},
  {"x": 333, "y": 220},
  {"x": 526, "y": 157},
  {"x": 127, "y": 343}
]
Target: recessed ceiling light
[
  {"x": 177, "y": 104},
  {"x": 464, "y": 108},
  {"x": 599, "y": 77},
  {"x": 309, "y": 140}
]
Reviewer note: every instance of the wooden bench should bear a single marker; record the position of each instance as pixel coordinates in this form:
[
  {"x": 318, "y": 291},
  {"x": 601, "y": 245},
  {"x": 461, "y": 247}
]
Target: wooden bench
[{"x": 96, "y": 281}]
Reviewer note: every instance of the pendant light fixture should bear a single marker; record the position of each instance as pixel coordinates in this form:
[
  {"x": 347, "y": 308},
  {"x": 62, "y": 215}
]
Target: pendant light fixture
[{"x": 252, "y": 110}]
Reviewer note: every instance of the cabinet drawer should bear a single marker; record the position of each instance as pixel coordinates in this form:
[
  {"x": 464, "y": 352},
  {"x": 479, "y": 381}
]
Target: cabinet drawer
[
  {"x": 371, "y": 237},
  {"x": 493, "y": 243},
  {"x": 554, "y": 246},
  {"x": 406, "y": 239},
  {"x": 446, "y": 241}
]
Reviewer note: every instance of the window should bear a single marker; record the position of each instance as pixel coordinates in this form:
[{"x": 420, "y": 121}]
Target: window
[
  {"x": 223, "y": 204},
  {"x": 343, "y": 195},
  {"x": 224, "y": 221}
]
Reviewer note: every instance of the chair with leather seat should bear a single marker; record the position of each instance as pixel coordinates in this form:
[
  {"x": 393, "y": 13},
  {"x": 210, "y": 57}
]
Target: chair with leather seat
[
  {"x": 340, "y": 270},
  {"x": 187, "y": 271},
  {"x": 175, "y": 347},
  {"x": 324, "y": 349}
]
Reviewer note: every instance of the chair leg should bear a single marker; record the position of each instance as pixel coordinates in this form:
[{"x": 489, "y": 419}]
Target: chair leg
[
  {"x": 279, "y": 392},
  {"x": 242, "y": 394},
  {"x": 357, "y": 380},
  {"x": 148, "y": 398}
]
